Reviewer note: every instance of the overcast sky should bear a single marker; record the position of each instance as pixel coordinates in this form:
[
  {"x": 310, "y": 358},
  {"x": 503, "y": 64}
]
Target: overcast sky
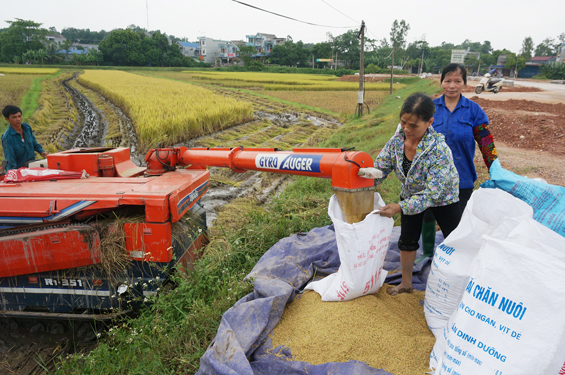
[{"x": 504, "y": 23}]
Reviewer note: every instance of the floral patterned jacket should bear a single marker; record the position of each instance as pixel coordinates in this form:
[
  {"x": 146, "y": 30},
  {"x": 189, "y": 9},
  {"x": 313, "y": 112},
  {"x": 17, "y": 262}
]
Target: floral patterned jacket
[{"x": 432, "y": 180}]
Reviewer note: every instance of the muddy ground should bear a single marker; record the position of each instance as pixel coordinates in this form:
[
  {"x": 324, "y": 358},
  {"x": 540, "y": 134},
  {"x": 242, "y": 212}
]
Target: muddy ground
[{"x": 528, "y": 135}]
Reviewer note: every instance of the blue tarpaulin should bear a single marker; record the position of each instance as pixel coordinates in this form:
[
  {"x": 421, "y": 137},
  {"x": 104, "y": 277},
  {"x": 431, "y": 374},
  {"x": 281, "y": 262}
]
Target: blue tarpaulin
[
  {"x": 548, "y": 201},
  {"x": 242, "y": 345}
]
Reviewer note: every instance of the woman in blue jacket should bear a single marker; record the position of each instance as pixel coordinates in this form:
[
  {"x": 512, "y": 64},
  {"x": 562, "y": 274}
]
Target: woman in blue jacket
[{"x": 463, "y": 123}]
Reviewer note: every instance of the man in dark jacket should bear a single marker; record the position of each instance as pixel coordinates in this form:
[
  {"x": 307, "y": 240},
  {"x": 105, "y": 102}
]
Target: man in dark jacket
[{"x": 18, "y": 140}]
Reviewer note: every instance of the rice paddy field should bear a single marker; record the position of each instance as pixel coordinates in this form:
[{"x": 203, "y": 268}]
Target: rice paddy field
[
  {"x": 165, "y": 110},
  {"x": 304, "y": 90},
  {"x": 12, "y": 89},
  {"x": 11, "y": 70},
  {"x": 281, "y": 82},
  {"x": 340, "y": 102}
]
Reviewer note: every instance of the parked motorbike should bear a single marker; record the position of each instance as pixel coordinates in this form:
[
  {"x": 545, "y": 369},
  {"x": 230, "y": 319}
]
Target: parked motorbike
[{"x": 489, "y": 84}]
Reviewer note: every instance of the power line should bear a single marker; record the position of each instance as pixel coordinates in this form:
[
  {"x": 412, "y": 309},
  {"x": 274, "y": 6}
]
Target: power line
[
  {"x": 290, "y": 18},
  {"x": 340, "y": 11}
]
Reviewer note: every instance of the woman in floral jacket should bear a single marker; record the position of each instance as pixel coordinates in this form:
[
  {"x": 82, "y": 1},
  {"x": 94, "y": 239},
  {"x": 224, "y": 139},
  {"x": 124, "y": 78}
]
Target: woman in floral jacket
[{"x": 424, "y": 165}]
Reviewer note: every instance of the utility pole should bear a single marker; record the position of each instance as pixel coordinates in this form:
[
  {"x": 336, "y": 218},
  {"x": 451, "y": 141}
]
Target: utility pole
[
  {"x": 421, "y": 70},
  {"x": 391, "y": 68},
  {"x": 147, "y": 9},
  {"x": 361, "y": 92},
  {"x": 335, "y": 66}
]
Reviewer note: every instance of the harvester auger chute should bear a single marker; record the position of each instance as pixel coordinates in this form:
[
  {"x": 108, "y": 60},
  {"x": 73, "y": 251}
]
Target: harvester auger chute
[{"x": 88, "y": 247}]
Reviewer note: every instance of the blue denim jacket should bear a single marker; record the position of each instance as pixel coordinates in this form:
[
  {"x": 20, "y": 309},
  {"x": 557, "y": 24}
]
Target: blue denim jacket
[{"x": 457, "y": 127}]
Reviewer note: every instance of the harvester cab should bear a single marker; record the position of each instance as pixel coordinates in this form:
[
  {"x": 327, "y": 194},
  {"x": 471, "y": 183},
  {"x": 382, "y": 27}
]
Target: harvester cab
[{"x": 97, "y": 246}]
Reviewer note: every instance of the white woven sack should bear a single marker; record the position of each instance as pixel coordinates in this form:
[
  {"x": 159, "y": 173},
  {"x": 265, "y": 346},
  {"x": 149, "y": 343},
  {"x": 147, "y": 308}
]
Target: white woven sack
[
  {"x": 362, "y": 249},
  {"x": 510, "y": 319},
  {"x": 454, "y": 257}
]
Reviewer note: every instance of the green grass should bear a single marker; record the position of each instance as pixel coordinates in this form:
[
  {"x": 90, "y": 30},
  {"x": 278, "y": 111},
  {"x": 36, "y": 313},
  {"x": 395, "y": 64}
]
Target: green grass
[
  {"x": 29, "y": 102},
  {"x": 172, "y": 335}
]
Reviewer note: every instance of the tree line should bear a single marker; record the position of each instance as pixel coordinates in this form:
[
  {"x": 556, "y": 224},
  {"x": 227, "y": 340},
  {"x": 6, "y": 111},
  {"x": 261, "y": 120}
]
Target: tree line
[
  {"x": 25, "y": 41},
  {"x": 379, "y": 53}
]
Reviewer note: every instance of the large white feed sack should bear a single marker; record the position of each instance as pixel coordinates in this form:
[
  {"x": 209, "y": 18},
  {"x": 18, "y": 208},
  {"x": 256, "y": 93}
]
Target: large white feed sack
[
  {"x": 454, "y": 257},
  {"x": 362, "y": 249},
  {"x": 510, "y": 318}
]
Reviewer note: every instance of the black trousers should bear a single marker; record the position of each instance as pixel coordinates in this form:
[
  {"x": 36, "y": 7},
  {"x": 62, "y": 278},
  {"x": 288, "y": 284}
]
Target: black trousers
[
  {"x": 464, "y": 196},
  {"x": 447, "y": 217}
]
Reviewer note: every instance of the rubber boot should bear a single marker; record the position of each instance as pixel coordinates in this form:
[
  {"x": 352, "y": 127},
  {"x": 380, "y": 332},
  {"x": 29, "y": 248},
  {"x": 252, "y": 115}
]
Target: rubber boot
[{"x": 428, "y": 240}]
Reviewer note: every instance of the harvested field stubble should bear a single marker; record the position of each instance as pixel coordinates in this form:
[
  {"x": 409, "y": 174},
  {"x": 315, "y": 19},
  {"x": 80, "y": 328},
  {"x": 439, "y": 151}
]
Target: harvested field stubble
[
  {"x": 281, "y": 81},
  {"x": 336, "y": 101},
  {"x": 55, "y": 116},
  {"x": 383, "y": 331}
]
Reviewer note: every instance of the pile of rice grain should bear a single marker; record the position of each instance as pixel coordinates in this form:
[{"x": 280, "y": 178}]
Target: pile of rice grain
[{"x": 383, "y": 331}]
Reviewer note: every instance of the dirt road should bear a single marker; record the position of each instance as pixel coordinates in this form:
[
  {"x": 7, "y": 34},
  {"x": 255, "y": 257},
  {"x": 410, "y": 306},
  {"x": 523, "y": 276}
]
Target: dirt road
[{"x": 528, "y": 129}]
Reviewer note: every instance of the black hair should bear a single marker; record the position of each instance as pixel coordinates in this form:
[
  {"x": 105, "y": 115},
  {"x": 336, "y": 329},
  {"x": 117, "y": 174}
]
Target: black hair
[
  {"x": 453, "y": 67},
  {"x": 419, "y": 104},
  {"x": 10, "y": 110}
]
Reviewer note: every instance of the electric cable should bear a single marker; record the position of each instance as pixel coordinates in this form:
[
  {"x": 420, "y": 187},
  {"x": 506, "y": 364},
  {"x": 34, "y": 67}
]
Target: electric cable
[
  {"x": 340, "y": 11},
  {"x": 290, "y": 18}
]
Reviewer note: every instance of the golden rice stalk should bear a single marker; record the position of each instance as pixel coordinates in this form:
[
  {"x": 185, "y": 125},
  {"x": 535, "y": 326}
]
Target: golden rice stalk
[{"x": 167, "y": 111}]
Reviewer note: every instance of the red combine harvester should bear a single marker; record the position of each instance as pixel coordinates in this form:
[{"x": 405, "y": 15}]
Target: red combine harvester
[{"x": 97, "y": 246}]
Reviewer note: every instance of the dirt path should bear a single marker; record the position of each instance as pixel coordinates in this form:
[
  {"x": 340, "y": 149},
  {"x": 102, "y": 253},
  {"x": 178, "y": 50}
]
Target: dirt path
[
  {"x": 529, "y": 135},
  {"x": 92, "y": 128}
]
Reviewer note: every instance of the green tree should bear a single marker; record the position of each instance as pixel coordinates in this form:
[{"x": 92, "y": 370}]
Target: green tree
[
  {"x": 555, "y": 71},
  {"x": 84, "y": 35},
  {"x": 65, "y": 46},
  {"x": 20, "y": 37},
  {"x": 123, "y": 47},
  {"x": 545, "y": 48},
  {"x": 398, "y": 33},
  {"x": 527, "y": 48},
  {"x": 515, "y": 63},
  {"x": 348, "y": 48},
  {"x": 322, "y": 50},
  {"x": 96, "y": 56},
  {"x": 290, "y": 53},
  {"x": 29, "y": 55},
  {"x": 41, "y": 55},
  {"x": 472, "y": 62},
  {"x": 246, "y": 53},
  {"x": 78, "y": 59},
  {"x": 486, "y": 48},
  {"x": 51, "y": 49}
]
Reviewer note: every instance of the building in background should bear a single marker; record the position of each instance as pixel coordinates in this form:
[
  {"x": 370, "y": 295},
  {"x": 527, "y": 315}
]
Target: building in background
[
  {"x": 263, "y": 43},
  {"x": 210, "y": 49},
  {"x": 87, "y": 47},
  {"x": 561, "y": 54},
  {"x": 55, "y": 38},
  {"x": 228, "y": 51},
  {"x": 458, "y": 55},
  {"x": 544, "y": 60},
  {"x": 190, "y": 49}
]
